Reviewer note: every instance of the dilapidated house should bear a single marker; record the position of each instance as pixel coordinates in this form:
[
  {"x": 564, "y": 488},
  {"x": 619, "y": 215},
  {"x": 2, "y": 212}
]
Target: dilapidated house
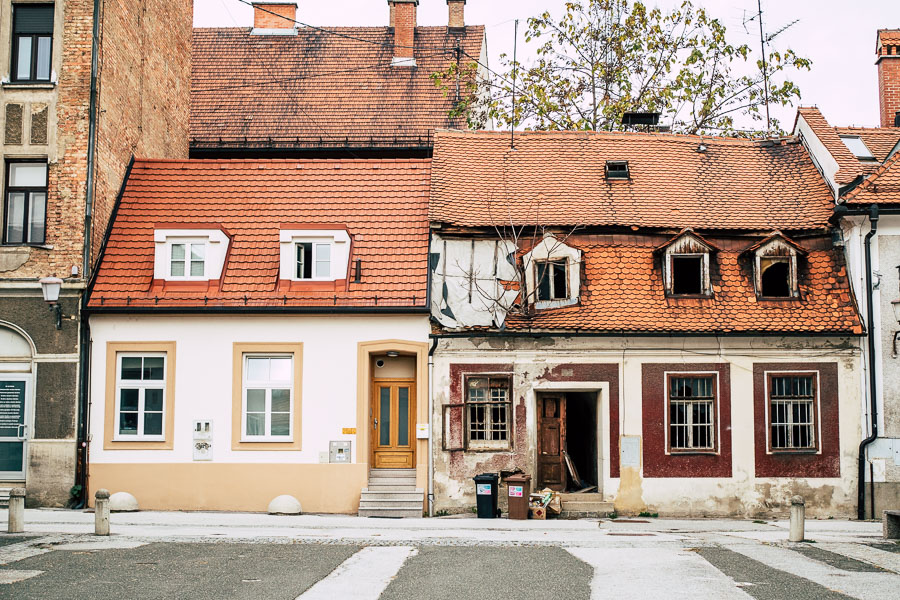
[{"x": 660, "y": 321}]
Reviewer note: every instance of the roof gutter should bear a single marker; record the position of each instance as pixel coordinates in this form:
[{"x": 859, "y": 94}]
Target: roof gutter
[
  {"x": 243, "y": 310},
  {"x": 873, "y": 381}
]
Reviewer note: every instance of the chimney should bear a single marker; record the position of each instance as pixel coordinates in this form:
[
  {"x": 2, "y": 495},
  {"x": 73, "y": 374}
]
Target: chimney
[
  {"x": 274, "y": 14},
  {"x": 457, "y": 10},
  {"x": 404, "y": 22},
  {"x": 888, "y": 61},
  {"x": 391, "y": 7}
]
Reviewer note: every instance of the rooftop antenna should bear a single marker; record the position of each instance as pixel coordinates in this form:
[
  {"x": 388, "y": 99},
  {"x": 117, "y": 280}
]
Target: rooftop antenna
[
  {"x": 762, "y": 43},
  {"x": 512, "y": 128}
]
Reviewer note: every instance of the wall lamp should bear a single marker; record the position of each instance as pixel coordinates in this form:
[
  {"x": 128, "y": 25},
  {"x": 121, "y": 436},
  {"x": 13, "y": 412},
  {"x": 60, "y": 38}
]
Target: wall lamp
[{"x": 50, "y": 287}]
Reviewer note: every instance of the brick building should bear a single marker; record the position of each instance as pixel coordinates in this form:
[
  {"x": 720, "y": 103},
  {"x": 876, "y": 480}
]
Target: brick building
[{"x": 86, "y": 86}]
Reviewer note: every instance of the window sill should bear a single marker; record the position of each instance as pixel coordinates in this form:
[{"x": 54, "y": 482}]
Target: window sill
[
  {"x": 140, "y": 440},
  {"x": 808, "y": 451},
  {"x": 693, "y": 452},
  {"x": 504, "y": 448},
  {"x": 28, "y": 85},
  {"x": 16, "y": 246},
  {"x": 284, "y": 440}
]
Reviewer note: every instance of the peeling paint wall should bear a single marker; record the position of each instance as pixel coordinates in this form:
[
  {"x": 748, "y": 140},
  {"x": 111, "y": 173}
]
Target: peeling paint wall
[{"x": 613, "y": 367}]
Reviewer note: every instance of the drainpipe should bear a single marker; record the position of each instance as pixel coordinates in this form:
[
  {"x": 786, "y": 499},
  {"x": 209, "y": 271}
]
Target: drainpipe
[
  {"x": 92, "y": 135},
  {"x": 434, "y": 343},
  {"x": 873, "y": 410}
]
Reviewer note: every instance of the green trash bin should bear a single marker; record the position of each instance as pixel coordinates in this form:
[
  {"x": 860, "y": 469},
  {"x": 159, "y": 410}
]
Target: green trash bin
[{"x": 486, "y": 495}]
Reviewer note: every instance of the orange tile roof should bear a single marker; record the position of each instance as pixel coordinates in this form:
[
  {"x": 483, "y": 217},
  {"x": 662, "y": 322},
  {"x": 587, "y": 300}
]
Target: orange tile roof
[
  {"x": 623, "y": 292},
  {"x": 557, "y": 179},
  {"x": 382, "y": 203},
  {"x": 320, "y": 89},
  {"x": 849, "y": 167},
  {"x": 881, "y": 187},
  {"x": 879, "y": 140}
]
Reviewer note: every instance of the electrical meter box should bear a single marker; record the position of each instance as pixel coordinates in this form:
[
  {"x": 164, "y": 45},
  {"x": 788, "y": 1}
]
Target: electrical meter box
[
  {"x": 202, "y": 435},
  {"x": 339, "y": 452}
]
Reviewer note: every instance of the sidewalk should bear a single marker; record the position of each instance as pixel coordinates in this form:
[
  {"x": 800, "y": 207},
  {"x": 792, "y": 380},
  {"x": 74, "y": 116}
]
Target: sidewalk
[{"x": 264, "y": 528}]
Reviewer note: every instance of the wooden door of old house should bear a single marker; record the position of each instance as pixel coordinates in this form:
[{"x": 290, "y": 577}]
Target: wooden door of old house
[
  {"x": 393, "y": 422},
  {"x": 551, "y": 466}
]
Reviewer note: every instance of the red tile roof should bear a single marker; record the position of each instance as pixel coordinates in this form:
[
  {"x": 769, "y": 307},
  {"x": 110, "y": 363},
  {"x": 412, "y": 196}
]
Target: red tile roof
[
  {"x": 623, "y": 292},
  {"x": 880, "y": 140},
  {"x": 382, "y": 203},
  {"x": 557, "y": 178},
  {"x": 881, "y": 187},
  {"x": 321, "y": 89}
]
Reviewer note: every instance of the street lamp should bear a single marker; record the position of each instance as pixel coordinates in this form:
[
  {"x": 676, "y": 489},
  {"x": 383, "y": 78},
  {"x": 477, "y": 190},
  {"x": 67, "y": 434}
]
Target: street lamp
[{"x": 50, "y": 287}]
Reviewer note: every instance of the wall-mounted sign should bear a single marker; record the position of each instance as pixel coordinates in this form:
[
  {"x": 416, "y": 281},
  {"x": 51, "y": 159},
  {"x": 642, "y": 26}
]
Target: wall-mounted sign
[
  {"x": 12, "y": 407},
  {"x": 349, "y": 431},
  {"x": 422, "y": 432},
  {"x": 516, "y": 491},
  {"x": 483, "y": 489}
]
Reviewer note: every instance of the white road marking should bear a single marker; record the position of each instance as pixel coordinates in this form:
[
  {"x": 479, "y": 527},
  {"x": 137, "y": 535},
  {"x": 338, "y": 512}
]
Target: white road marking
[
  {"x": 11, "y": 576},
  {"x": 101, "y": 544},
  {"x": 671, "y": 573},
  {"x": 869, "y": 586},
  {"x": 363, "y": 576}
]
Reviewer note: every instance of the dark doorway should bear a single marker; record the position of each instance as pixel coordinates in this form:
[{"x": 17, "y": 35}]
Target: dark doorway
[{"x": 581, "y": 435}]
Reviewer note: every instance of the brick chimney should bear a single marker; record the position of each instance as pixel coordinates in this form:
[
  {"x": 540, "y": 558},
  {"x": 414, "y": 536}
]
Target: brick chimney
[
  {"x": 457, "y": 10},
  {"x": 285, "y": 14},
  {"x": 404, "y": 23},
  {"x": 888, "y": 61}
]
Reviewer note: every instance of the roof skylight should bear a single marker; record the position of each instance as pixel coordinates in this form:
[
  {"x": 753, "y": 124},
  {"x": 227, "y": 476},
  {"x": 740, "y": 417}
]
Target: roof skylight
[{"x": 859, "y": 149}]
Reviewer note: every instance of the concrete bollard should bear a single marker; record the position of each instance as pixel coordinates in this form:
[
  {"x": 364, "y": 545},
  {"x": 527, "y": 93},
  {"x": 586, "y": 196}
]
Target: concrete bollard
[
  {"x": 16, "y": 518},
  {"x": 798, "y": 519},
  {"x": 101, "y": 512}
]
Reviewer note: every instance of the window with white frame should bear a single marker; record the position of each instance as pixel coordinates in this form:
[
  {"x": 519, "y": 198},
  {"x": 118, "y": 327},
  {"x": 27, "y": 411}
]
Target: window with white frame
[
  {"x": 140, "y": 395},
  {"x": 689, "y": 274},
  {"x": 488, "y": 412},
  {"x": 268, "y": 402},
  {"x": 313, "y": 260},
  {"x": 26, "y": 203},
  {"x": 691, "y": 403},
  {"x": 792, "y": 412},
  {"x": 552, "y": 279},
  {"x": 187, "y": 259}
]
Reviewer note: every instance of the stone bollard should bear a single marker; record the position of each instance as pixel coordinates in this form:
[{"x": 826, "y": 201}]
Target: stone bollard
[
  {"x": 101, "y": 512},
  {"x": 798, "y": 519},
  {"x": 16, "y": 519}
]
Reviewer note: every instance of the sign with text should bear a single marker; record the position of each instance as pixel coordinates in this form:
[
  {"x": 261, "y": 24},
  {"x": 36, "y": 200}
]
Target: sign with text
[
  {"x": 516, "y": 491},
  {"x": 483, "y": 489},
  {"x": 12, "y": 407}
]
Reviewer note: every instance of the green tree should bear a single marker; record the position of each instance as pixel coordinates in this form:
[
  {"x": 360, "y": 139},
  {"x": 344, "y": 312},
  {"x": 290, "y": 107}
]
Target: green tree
[{"x": 606, "y": 57}]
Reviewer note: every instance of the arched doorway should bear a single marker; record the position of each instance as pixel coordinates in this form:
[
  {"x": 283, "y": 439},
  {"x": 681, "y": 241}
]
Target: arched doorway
[{"x": 16, "y": 380}]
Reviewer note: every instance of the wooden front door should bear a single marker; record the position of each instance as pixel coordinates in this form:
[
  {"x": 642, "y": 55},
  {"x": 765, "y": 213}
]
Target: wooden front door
[
  {"x": 551, "y": 428},
  {"x": 393, "y": 417}
]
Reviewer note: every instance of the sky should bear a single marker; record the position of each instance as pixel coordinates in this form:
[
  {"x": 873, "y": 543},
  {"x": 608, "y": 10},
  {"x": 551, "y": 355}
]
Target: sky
[{"x": 837, "y": 35}]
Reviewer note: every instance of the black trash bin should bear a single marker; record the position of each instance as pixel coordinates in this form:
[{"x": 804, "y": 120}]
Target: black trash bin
[{"x": 486, "y": 494}]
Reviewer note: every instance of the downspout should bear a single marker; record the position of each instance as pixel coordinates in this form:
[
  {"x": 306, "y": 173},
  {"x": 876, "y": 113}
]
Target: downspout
[
  {"x": 873, "y": 409},
  {"x": 84, "y": 329},
  {"x": 434, "y": 343}
]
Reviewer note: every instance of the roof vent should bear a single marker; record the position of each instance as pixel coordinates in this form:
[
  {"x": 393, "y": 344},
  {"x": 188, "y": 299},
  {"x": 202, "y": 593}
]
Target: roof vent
[
  {"x": 617, "y": 169},
  {"x": 642, "y": 121}
]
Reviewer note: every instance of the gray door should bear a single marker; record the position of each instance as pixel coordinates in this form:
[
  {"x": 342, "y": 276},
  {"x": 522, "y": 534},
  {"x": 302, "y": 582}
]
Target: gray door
[{"x": 14, "y": 391}]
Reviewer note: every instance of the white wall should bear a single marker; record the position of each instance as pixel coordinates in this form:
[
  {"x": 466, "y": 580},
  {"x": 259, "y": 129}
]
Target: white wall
[{"x": 203, "y": 376}]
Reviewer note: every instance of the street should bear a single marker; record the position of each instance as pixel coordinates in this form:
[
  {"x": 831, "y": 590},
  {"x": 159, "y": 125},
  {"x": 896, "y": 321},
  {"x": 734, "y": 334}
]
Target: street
[{"x": 225, "y": 555}]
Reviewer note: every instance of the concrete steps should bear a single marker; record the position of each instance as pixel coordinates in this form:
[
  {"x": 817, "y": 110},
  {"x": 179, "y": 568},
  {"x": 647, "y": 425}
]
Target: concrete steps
[
  {"x": 579, "y": 506},
  {"x": 391, "y": 493}
]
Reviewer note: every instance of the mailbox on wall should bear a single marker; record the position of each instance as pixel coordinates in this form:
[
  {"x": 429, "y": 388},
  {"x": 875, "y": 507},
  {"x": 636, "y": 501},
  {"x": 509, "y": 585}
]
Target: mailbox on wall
[
  {"x": 202, "y": 435},
  {"x": 339, "y": 452}
]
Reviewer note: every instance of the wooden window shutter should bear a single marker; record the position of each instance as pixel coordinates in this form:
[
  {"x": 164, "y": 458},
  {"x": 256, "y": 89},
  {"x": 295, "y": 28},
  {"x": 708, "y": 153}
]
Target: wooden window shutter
[{"x": 453, "y": 422}]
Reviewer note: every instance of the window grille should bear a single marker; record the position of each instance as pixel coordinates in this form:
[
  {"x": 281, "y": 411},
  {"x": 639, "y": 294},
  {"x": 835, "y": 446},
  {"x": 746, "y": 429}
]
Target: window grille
[
  {"x": 488, "y": 410},
  {"x": 792, "y": 400},
  {"x": 692, "y": 412}
]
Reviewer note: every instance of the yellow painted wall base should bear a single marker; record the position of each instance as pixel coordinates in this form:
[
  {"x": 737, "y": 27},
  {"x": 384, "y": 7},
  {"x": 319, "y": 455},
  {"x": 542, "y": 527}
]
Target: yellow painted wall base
[{"x": 320, "y": 488}]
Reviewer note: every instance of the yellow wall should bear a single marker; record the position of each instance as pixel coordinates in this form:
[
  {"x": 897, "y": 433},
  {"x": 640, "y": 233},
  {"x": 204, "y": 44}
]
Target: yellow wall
[{"x": 320, "y": 488}]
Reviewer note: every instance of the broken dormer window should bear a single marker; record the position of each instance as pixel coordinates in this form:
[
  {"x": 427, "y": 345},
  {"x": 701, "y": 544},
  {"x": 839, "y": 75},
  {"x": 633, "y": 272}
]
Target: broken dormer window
[
  {"x": 775, "y": 267},
  {"x": 687, "y": 275},
  {"x": 617, "y": 169},
  {"x": 775, "y": 277},
  {"x": 552, "y": 279},
  {"x": 686, "y": 259}
]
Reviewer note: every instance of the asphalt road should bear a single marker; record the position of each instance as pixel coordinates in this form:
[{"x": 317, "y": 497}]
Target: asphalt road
[{"x": 48, "y": 568}]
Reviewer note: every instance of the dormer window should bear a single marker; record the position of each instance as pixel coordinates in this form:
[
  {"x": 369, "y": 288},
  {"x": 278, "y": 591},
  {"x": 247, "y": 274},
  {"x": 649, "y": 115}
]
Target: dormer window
[
  {"x": 314, "y": 254},
  {"x": 552, "y": 274},
  {"x": 187, "y": 259},
  {"x": 686, "y": 265},
  {"x": 189, "y": 254},
  {"x": 313, "y": 260},
  {"x": 775, "y": 267},
  {"x": 552, "y": 277},
  {"x": 617, "y": 169}
]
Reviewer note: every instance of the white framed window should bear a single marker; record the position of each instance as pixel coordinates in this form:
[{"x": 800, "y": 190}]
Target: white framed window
[
  {"x": 313, "y": 260},
  {"x": 140, "y": 395},
  {"x": 692, "y": 412},
  {"x": 187, "y": 259},
  {"x": 267, "y": 405},
  {"x": 552, "y": 273},
  {"x": 793, "y": 412},
  {"x": 552, "y": 279},
  {"x": 688, "y": 274}
]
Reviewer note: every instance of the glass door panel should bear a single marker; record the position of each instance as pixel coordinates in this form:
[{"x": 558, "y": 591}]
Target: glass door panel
[{"x": 13, "y": 395}]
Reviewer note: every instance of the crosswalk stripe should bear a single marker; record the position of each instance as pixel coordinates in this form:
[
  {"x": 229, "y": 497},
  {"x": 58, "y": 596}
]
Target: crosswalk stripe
[
  {"x": 363, "y": 576},
  {"x": 869, "y": 586},
  {"x": 676, "y": 573}
]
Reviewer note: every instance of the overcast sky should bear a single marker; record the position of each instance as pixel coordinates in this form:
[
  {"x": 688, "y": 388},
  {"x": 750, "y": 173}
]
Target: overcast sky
[{"x": 838, "y": 35}]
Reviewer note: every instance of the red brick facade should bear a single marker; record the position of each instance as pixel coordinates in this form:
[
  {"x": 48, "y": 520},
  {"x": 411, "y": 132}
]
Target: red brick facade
[
  {"x": 888, "y": 75},
  {"x": 404, "y": 27},
  {"x": 457, "y": 10},
  {"x": 274, "y": 16}
]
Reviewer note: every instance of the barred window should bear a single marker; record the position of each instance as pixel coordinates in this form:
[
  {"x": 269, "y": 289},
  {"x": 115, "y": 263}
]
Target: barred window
[
  {"x": 488, "y": 411},
  {"x": 692, "y": 413},
  {"x": 792, "y": 412}
]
